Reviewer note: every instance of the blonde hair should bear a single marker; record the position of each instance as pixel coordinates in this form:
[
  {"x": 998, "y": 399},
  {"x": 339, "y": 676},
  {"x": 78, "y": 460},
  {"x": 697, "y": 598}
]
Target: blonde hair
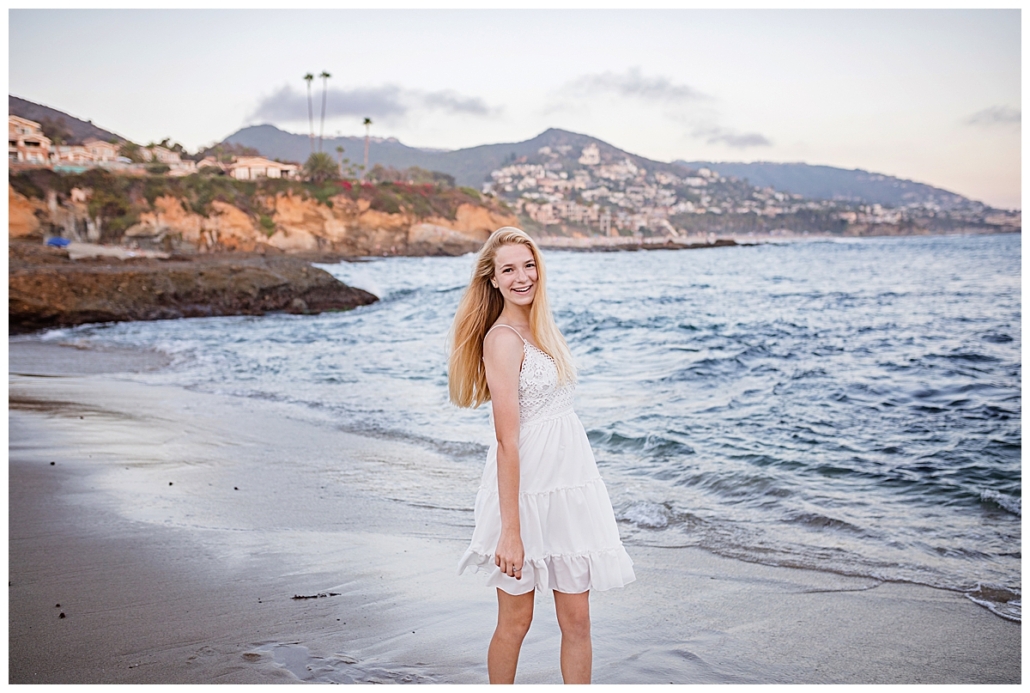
[{"x": 481, "y": 305}]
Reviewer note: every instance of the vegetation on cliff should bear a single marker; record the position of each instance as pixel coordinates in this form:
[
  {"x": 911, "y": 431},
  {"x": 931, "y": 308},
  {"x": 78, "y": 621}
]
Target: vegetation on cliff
[{"x": 118, "y": 201}]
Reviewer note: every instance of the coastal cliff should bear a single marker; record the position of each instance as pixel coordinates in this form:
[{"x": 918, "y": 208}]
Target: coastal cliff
[
  {"x": 306, "y": 226},
  {"x": 154, "y": 247},
  {"x": 205, "y": 214}
]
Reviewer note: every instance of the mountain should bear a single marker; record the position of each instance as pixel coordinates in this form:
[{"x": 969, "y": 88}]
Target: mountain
[
  {"x": 469, "y": 167},
  {"x": 78, "y": 129},
  {"x": 830, "y": 183},
  {"x": 472, "y": 166}
]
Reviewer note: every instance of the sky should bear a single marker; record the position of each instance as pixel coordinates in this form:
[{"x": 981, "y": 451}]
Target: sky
[{"x": 928, "y": 95}]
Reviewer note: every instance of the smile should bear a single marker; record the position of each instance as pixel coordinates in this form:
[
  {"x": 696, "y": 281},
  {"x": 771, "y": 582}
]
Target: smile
[{"x": 522, "y": 291}]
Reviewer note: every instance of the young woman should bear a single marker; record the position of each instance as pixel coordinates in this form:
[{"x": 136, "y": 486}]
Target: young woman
[{"x": 543, "y": 516}]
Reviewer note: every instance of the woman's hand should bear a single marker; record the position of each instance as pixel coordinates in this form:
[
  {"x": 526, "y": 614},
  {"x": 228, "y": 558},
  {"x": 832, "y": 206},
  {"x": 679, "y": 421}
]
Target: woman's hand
[{"x": 510, "y": 554}]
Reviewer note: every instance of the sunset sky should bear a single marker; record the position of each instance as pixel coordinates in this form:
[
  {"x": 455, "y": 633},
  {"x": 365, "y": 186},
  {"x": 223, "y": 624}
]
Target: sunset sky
[{"x": 930, "y": 95}]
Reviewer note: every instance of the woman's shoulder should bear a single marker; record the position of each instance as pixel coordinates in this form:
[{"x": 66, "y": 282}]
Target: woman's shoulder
[
  {"x": 508, "y": 332},
  {"x": 506, "y": 340}
]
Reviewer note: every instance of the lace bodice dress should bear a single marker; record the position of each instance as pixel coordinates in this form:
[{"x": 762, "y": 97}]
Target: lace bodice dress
[{"x": 569, "y": 533}]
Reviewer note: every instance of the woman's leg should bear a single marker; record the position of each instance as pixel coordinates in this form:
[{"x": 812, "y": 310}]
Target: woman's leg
[
  {"x": 576, "y": 651},
  {"x": 514, "y": 614}
]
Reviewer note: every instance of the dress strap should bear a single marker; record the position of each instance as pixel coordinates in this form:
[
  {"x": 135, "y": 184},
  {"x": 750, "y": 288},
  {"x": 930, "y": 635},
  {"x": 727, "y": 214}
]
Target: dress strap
[{"x": 500, "y": 324}]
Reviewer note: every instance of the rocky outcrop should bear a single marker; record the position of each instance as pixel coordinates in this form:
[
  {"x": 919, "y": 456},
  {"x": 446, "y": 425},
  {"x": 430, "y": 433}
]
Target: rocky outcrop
[
  {"x": 47, "y": 289},
  {"x": 434, "y": 239},
  {"x": 170, "y": 225},
  {"x": 299, "y": 225},
  {"x": 23, "y": 215}
]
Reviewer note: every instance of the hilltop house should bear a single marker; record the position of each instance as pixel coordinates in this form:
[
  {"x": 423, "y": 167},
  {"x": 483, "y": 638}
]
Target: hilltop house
[
  {"x": 251, "y": 167},
  {"x": 26, "y": 143},
  {"x": 590, "y": 155},
  {"x": 161, "y": 155},
  {"x": 71, "y": 154},
  {"x": 100, "y": 151}
]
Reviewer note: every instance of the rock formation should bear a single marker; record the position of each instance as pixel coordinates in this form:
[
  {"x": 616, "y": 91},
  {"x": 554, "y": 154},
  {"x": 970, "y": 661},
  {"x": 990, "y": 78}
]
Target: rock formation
[
  {"x": 47, "y": 289},
  {"x": 23, "y": 216},
  {"x": 300, "y": 225}
]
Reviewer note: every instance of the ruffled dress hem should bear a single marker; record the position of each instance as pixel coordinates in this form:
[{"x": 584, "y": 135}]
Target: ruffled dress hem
[{"x": 597, "y": 570}]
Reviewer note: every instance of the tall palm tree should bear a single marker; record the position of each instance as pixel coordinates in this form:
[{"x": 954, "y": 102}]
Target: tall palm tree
[
  {"x": 311, "y": 120},
  {"x": 368, "y": 126},
  {"x": 321, "y": 127}
]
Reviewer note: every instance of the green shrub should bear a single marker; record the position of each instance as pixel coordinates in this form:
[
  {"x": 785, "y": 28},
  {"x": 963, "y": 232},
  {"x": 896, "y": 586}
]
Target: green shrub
[{"x": 267, "y": 225}]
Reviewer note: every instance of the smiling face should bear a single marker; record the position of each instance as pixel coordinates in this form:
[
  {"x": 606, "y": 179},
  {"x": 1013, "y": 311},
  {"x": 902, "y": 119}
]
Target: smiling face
[{"x": 515, "y": 274}]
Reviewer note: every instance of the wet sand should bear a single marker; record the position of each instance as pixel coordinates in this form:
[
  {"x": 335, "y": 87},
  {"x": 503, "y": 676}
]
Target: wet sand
[{"x": 174, "y": 529}]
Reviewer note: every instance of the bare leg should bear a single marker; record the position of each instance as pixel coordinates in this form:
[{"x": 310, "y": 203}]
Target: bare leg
[
  {"x": 576, "y": 651},
  {"x": 514, "y": 615}
]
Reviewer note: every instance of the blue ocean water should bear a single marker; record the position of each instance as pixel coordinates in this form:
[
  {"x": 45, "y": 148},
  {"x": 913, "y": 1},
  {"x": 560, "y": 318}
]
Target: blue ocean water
[{"x": 851, "y": 406}]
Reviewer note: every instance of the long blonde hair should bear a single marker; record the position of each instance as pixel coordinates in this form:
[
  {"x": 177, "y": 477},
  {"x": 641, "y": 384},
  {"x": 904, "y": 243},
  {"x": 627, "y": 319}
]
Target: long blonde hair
[{"x": 480, "y": 307}]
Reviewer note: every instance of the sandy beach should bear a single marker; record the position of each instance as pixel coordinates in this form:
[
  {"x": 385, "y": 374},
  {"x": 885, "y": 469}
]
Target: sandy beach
[{"x": 173, "y": 530}]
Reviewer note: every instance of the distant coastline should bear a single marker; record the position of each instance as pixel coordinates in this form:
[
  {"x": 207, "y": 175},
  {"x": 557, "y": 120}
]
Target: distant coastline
[{"x": 696, "y": 242}]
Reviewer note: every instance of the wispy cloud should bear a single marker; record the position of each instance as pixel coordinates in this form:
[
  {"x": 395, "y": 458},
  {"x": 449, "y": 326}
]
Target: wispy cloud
[
  {"x": 388, "y": 103},
  {"x": 994, "y": 116},
  {"x": 456, "y": 103},
  {"x": 680, "y": 102},
  {"x": 633, "y": 83},
  {"x": 718, "y": 135}
]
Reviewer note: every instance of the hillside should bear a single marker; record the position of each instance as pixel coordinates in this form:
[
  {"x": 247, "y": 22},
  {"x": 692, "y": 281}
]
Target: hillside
[
  {"x": 470, "y": 167},
  {"x": 831, "y": 183},
  {"x": 79, "y": 129},
  {"x": 570, "y": 183},
  {"x": 473, "y": 166}
]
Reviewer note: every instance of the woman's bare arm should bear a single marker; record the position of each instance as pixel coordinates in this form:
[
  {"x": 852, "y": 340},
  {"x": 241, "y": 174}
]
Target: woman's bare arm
[{"x": 503, "y": 352}]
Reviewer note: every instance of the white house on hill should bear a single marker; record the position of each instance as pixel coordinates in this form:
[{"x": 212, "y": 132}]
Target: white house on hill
[{"x": 251, "y": 167}]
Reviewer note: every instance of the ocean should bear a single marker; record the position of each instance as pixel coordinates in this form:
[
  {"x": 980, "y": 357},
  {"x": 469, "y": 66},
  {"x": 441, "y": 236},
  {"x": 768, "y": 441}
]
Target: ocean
[{"x": 850, "y": 406}]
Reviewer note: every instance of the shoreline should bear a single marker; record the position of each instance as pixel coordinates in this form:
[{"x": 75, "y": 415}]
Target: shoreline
[
  {"x": 176, "y": 527},
  {"x": 694, "y": 242}
]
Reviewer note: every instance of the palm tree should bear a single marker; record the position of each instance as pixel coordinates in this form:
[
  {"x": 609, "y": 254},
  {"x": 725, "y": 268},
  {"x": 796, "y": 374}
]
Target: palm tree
[
  {"x": 311, "y": 120},
  {"x": 339, "y": 155},
  {"x": 320, "y": 167},
  {"x": 321, "y": 128},
  {"x": 368, "y": 126}
]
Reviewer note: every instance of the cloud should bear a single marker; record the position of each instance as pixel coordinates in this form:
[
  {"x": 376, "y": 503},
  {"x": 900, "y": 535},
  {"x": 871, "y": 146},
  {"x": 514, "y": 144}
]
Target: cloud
[
  {"x": 995, "y": 116},
  {"x": 455, "y": 103},
  {"x": 718, "y": 135},
  {"x": 634, "y": 84},
  {"x": 388, "y": 103},
  {"x": 679, "y": 102}
]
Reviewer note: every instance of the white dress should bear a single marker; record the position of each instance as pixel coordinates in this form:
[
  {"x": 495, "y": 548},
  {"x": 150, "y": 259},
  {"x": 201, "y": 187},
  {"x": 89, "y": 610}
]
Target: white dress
[{"x": 569, "y": 533}]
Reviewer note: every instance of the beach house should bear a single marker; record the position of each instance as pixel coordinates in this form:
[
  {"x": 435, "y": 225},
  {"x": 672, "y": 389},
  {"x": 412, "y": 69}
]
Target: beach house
[
  {"x": 26, "y": 143},
  {"x": 100, "y": 151},
  {"x": 251, "y": 167}
]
